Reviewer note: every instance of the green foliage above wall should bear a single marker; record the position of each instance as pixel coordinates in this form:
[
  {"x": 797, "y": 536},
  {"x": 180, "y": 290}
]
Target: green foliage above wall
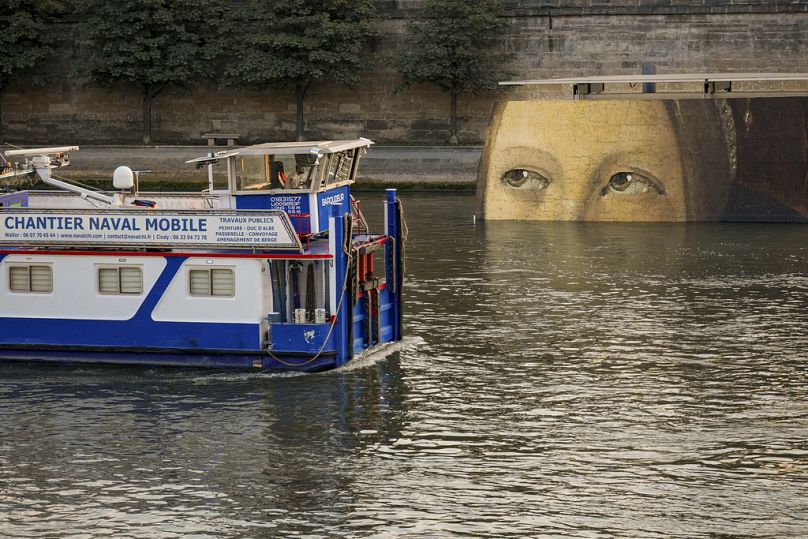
[
  {"x": 295, "y": 44},
  {"x": 25, "y": 39},
  {"x": 453, "y": 44},
  {"x": 151, "y": 44}
]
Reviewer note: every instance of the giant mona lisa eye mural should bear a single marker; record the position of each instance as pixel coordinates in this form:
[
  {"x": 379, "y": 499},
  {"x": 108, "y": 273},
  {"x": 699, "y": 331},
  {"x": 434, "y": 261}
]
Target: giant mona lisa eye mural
[{"x": 647, "y": 160}]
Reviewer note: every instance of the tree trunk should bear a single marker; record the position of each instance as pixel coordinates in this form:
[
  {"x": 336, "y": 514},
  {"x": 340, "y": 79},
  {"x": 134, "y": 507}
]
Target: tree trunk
[
  {"x": 148, "y": 96},
  {"x": 453, "y": 117},
  {"x": 300, "y": 94}
]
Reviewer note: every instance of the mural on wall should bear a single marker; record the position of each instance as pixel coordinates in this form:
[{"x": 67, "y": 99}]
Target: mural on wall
[{"x": 739, "y": 159}]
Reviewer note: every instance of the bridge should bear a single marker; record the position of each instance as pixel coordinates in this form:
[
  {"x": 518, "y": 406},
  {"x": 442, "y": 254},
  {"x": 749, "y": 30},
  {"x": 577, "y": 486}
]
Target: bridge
[{"x": 706, "y": 84}]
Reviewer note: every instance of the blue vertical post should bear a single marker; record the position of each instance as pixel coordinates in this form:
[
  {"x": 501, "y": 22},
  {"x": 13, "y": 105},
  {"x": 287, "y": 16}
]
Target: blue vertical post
[
  {"x": 392, "y": 253},
  {"x": 336, "y": 242}
]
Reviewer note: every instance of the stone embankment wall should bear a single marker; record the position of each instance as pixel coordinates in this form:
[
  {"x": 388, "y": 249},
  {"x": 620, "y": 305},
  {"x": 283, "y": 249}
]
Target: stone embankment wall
[{"x": 549, "y": 38}]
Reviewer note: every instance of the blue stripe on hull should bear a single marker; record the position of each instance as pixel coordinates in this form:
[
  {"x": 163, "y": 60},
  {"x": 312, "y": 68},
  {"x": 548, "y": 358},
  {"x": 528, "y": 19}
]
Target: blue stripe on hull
[
  {"x": 132, "y": 333},
  {"x": 173, "y": 265},
  {"x": 202, "y": 359}
]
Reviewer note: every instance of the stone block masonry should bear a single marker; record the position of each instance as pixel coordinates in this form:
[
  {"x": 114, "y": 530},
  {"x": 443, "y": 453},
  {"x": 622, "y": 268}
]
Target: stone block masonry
[{"x": 561, "y": 38}]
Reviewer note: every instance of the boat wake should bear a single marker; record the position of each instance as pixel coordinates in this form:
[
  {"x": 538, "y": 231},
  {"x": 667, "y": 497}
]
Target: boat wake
[
  {"x": 363, "y": 360},
  {"x": 377, "y": 355}
]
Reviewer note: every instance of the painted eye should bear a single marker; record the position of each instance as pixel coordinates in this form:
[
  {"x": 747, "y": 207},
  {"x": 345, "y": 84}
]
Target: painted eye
[
  {"x": 520, "y": 178},
  {"x": 631, "y": 183}
]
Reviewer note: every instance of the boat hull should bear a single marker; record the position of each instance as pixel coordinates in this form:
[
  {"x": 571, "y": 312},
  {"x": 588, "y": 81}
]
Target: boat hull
[
  {"x": 66, "y": 297},
  {"x": 263, "y": 361}
]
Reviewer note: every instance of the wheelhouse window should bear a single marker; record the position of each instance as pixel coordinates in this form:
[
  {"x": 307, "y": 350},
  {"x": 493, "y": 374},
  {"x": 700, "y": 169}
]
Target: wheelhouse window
[
  {"x": 278, "y": 171},
  {"x": 211, "y": 282},
  {"x": 252, "y": 173},
  {"x": 340, "y": 167},
  {"x": 120, "y": 280},
  {"x": 30, "y": 278}
]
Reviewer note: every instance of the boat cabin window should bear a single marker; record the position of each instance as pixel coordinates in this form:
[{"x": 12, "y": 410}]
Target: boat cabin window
[
  {"x": 278, "y": 171},
  {"x": 120, "y": 280},
  {"x": 210, "y": 282},
  {"x": 340, "y": 167},
  {"x": 252, "y": 173},
  {"x": 30, "y": 278},
  {"x": 218, "y": 179}
]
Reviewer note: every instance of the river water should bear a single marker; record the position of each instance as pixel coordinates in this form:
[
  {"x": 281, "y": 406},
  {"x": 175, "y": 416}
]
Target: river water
[{"x": 557, "y": 380}]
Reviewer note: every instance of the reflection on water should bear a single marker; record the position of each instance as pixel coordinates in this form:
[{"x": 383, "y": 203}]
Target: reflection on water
[{"x": 558, "y": 379}]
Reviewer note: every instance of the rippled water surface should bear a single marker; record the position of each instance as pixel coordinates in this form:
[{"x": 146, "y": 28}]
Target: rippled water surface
[{"x": 575, "y": 380}]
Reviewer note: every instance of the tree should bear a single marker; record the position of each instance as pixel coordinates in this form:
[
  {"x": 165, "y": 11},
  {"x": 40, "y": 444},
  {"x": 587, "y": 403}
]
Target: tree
[
  {"x": 297, "y": 43},
  {"x": 24, "y": 41},
  {"x": 151, "y": 44},
  {"x": 453, "y": 45}
]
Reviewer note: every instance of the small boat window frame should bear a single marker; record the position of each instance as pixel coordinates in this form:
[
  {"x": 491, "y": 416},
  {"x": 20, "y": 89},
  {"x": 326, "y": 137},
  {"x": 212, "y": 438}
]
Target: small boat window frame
[
  {"x": 210, "y": 271},
  {"x": 29, "y": 267},
  {"x": 119, "y": 291}
]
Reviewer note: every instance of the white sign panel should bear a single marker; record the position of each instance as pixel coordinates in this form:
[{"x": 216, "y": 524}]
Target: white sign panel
[{"x": 245, "y": 229}]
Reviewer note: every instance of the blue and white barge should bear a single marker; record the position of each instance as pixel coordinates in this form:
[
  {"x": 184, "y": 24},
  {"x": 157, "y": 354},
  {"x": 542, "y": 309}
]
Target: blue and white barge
[{"x": 272, "y": 267}]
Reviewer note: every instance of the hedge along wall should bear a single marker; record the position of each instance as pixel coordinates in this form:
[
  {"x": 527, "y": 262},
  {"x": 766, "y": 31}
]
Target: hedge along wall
[{"x": 555, "y": 38}]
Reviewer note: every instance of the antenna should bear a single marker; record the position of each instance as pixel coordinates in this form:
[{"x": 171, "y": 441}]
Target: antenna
[{"x": 137, "y": 178}]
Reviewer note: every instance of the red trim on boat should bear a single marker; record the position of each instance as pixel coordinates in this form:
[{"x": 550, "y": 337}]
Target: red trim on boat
[{"x": 324, "y": 256}]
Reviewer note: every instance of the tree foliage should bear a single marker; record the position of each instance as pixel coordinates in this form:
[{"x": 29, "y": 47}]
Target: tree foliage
[
  {"x": 453, "y": 44},
  {"x": 297, "y": 43},
  {"x": 25, "y": 39},
  {"x": 151, "y": 44}
]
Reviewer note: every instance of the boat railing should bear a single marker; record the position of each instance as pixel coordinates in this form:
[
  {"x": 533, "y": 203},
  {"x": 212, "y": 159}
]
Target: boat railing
[
  {"x": 302, "y": 224},
  {"x": 359, "y": 217}
]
